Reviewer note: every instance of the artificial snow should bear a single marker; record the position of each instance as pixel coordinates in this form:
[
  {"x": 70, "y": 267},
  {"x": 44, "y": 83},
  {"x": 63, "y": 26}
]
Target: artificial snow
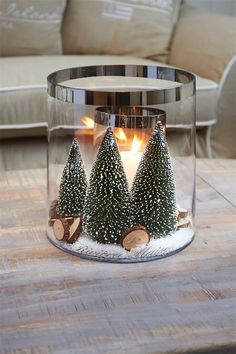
[{"x": 156, "y": 248}]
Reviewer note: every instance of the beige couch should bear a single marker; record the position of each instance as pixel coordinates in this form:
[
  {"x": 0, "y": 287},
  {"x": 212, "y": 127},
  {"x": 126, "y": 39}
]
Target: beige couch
[{"x": 203, "y": 43}]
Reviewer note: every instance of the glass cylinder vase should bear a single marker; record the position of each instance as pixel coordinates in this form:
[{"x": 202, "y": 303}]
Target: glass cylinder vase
[{"x": 121, "y": 162}]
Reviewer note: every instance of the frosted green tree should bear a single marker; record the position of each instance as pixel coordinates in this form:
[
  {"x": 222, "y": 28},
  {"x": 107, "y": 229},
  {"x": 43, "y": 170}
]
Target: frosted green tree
[
  {"x": 153, "y": 190},
  {"x": 107, "y": 205},
  {"x": 73, "y": 184}
]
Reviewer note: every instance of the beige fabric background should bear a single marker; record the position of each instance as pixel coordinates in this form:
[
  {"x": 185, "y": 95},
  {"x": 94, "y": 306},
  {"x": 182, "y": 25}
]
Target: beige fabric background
[
  {"x": 30, "y": 27},
  {"x": 23, "y": 98},
  {"x": 207, "y": 58},
  {"x": 224, "y": 132},
  {"x": 138, "y": 28}
]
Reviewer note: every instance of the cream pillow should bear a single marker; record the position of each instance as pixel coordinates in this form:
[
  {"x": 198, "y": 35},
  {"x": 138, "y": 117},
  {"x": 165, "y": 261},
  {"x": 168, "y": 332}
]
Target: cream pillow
[
  {"x": 204, "y": 42},
  {"x": 30, "y": 27},
  {"x": 140, "y": 28}
]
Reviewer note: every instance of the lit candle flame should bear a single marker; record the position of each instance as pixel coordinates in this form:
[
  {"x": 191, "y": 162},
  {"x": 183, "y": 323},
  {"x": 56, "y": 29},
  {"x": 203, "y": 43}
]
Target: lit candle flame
[
  {"x": 135, "y": 144},
  {"x": 88, "y": 122},
  {"x": 120, "y": 134}
]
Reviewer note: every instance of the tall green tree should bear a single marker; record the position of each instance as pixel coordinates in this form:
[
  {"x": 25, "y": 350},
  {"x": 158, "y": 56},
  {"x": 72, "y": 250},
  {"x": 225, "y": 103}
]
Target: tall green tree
[
  {"x": 73, "y": 184},
  {"x": 107, "y": 205},
  {"x": 153, "y": 190}
]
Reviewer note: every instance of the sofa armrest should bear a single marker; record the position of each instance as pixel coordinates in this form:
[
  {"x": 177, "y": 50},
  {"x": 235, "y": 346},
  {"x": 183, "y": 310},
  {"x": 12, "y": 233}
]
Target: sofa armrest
[
  {"x": 204, "y": 42},
  {"x": 224, "y": 132}
]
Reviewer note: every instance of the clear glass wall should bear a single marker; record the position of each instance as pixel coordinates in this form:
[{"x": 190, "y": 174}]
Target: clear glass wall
[{"x": 121, "y": 161}]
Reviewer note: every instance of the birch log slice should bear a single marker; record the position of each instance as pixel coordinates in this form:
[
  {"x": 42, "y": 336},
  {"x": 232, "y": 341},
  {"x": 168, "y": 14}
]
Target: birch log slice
[
  {"x": 75, "y": 230},
  {"x": 182, "y": 213},
  {"x": 51, "y": 221},
  {"x": 134, "y": 237},
  {"x": 183, "y": 223},
  {"x": 177, "y": 215},
  {"x": 52, "y": 209},
  {"x": 70, "y": 220},
  {"x": 61, "y": 229}
]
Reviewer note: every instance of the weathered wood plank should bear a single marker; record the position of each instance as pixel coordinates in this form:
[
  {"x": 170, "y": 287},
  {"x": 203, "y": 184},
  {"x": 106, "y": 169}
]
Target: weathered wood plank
[
  {"x": 51, "y": 302},
  {"x": 220, "y": 175}
]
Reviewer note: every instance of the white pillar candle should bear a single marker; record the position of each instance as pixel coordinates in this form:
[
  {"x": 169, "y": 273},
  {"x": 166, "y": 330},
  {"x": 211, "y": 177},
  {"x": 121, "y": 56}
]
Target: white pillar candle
[{"x": 130, "y": 162}]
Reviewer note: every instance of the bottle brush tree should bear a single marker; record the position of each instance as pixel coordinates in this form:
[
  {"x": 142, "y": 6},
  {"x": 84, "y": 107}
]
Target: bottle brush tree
[
  {"x": 107, "y": 205},
  {"x": 73, "y": 184},
  {"x": 153, "y": 190}
]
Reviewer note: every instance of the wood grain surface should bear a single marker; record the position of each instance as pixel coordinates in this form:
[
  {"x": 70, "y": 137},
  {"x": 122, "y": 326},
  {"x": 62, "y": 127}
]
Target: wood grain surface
[{"x": 52, "y": 302}]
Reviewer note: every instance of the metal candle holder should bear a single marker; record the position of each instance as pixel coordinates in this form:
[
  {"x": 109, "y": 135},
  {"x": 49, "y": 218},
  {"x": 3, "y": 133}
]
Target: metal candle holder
[{"x": 130, "y": 117}]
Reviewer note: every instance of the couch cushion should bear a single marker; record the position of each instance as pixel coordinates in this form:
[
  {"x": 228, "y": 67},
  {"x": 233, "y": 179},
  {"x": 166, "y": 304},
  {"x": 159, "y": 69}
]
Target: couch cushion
[
  {"x": 30, "y": 27},
  {"x": 23, "y": 153},
  {"x": 119, "y": 27},
  {"x": 23, "y": 97},
  {"x": 206, "y": 57}
]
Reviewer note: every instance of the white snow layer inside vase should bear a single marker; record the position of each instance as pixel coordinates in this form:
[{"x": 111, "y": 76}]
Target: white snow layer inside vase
[{"x": 156, "y": 247}]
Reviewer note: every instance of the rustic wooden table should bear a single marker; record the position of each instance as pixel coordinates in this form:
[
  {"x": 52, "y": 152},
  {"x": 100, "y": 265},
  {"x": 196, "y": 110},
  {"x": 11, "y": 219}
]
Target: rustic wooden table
[{"x": 52, "y": 302}]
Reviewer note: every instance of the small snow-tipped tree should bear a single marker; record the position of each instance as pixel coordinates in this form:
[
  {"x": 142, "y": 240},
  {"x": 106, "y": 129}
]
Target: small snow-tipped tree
[
  {"x": 153, "y": 190},
  {"x": 107, "y": 205},
  {"x": 73, "y": 184}
]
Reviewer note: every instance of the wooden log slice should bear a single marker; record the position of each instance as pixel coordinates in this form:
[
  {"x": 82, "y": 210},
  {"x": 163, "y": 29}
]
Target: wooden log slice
[
  {"x": 52, "y": 209},
  {"x": 177, "y": 215},
  {"x": 51, "y": 222},
  {"x": 61, "y": 229},
  {"x": 183, "y": 223},
  {"x": 75, "y": 230},
  {"x": 134, "y": 237},
  {"x": 182, "y": 213},
  {"x": 70, "y": 220}
]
